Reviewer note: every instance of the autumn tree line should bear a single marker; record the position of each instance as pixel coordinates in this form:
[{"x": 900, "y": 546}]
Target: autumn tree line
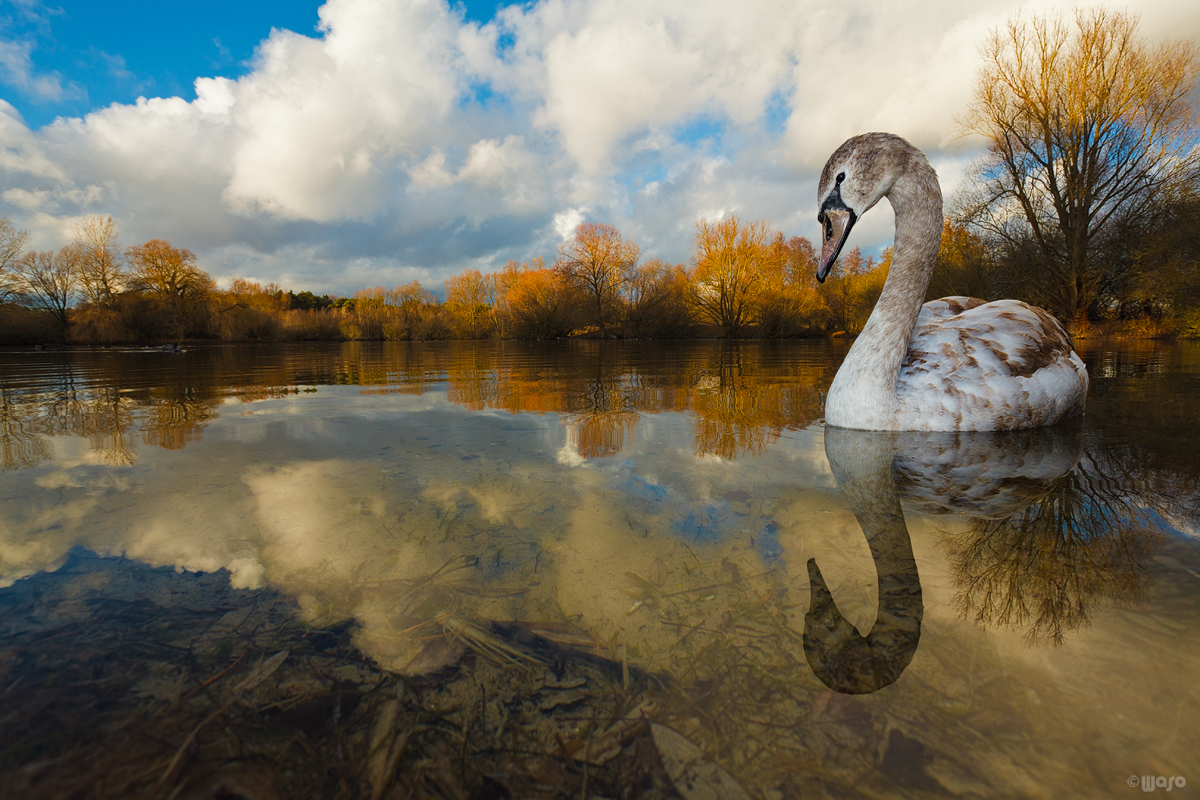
[
  {"x": 1086, "y": 202},
  {"x": 744, "y": 279}
]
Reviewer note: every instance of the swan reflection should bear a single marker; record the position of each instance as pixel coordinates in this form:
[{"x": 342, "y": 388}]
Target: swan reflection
[
  {"x": 843, "y": 659},
  {"x": 1052, "y": 533}
]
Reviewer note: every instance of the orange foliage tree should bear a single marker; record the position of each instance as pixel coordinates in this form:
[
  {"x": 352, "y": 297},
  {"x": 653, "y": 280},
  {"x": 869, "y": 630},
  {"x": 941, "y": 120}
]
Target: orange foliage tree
[
  {"x": 858, "y": 282},
  {"x": 964, "y": 266},
  {"x": 789, "y": 303},
  {"x": 541, "y": 304},
  {"x": 469, "y": 299},
  {"x": 658, "y": 301},
  {"x": 170, "y": 272},
  {"x": 731, "y": 261},
  {"x": 177, "y": 289}
]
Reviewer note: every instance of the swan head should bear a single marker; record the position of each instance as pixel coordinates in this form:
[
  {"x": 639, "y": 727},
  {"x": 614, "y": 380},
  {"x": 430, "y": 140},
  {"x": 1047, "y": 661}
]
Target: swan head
[{"x": 859, "y": 173}]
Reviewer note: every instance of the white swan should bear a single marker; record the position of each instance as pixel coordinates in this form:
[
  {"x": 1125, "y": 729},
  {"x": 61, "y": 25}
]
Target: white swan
[{"x": 954, "y": 364}]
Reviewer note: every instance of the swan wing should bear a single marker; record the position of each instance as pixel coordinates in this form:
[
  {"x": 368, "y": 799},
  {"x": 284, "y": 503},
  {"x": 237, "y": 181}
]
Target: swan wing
[
  {"x": 972, "y": 365},
  {"x": 947, "y": 307}
]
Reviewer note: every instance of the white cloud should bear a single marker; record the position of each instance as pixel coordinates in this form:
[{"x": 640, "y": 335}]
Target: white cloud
[
  {"x": 406, "y": 142},
  {"x": 16, "y": 70},
  {"x": 566, "y": 222}
]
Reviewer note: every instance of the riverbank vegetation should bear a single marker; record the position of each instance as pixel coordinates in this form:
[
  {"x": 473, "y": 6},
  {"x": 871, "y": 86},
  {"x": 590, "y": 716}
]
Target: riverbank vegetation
[
  {"x": 1086, "y": 202},
  {"x": 744, "y": 279}
]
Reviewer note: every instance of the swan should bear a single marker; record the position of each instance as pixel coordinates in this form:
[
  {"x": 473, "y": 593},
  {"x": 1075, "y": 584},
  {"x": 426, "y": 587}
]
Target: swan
[{"x": 954, "y": 364}]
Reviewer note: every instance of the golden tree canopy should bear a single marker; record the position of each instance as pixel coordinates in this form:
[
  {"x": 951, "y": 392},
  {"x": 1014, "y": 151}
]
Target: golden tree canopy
[
  {"x": 159, "y": 268},
  {"x": 1086, "y": 124},
  {"x": 731, "y": 259}
]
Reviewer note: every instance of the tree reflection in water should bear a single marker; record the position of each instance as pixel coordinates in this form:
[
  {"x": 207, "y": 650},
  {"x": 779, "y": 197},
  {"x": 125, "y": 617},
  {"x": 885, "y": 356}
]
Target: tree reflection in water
[
  {"x": 740, "y": 399},
  {"x": 740, "y": 414},
  {"x": 1085, "y": 540},
  {"x": 20, "y": 445},
  {"x": 1054, "y": 532},
  {"x": 114, "y": 412}
]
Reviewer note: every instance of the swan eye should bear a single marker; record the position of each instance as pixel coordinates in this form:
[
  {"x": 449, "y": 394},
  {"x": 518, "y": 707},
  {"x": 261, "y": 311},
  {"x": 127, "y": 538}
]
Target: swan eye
[{"x": 841, "y": 177}]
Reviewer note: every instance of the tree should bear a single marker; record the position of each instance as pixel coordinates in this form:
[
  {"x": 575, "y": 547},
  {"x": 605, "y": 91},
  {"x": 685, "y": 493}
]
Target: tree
[
  {"x": 99, "y": 268},
  {"x": 731, "y": 261},
  {"x": 839, "y": 295},
  {"x": 370, "y": 315},
  {"x": 173, "y": 280},
  {"x": 963, "y": 267},
  {"x": 248, "y": 294},
  {"x": 599, "y": 261},
  {"x": 851, "y": 298},
  {"x": 800, "y": 262},
  {"x": 658, "y": 300},
  {"x": 541, "y": 304},
  {"x": 1085, "y": 124},
  {"x": 158, "y": 268},
  {"x": 469, "y": 297},
  {"x": 12, "y": 242},
  {"x": 413, "y": 301},
  {"x": 790, "y": 304},
  {"x": 307, "y": 301},
  {"x": 47, "y": 280},
  {"x": 1165, "y": 276},
  {"x": 503, "y": 284}
]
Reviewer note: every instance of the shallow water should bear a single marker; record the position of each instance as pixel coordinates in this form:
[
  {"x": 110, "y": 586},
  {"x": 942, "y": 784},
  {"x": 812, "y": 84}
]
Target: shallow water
[{"x": 666, "y": 530}]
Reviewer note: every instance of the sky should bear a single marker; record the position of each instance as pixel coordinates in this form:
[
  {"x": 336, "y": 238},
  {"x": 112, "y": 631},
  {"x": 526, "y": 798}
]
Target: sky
[{"x": 352, "y": 143}]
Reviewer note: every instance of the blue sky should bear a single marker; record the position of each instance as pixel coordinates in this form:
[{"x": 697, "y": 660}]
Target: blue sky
[
  {"x": 112, "y": 52},
  {"x": 332, "y": 146}
]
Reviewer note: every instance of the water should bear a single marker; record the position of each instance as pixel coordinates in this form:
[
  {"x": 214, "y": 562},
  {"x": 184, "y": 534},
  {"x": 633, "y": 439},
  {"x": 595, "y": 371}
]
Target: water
[{"x": 350, "y": 570}]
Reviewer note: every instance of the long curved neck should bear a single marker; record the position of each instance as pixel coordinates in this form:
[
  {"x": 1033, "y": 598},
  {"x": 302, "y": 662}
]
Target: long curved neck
[{"x": 873, "y": 363}]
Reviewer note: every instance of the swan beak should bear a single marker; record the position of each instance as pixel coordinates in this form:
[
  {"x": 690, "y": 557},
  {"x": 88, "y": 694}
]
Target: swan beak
[{"x": 836, "y": 224}]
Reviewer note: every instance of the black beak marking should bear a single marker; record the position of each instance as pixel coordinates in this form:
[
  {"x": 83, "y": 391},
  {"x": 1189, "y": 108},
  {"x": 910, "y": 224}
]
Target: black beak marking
[{"x": 833, "y": 202}]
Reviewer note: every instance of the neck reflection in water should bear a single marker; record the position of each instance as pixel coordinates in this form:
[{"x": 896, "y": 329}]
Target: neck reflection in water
[{"x": 1002, "y": 480}]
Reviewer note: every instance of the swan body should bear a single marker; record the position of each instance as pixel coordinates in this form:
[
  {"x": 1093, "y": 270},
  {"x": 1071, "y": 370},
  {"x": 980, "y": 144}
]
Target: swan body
[{"x": 954, "y": 364}]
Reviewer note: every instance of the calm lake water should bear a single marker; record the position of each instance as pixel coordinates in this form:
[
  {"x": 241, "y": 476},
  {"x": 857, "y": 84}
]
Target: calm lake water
[{"x": 584, "y": 569}]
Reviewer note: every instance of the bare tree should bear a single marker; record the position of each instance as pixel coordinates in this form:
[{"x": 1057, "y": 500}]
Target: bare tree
[
  {"x": 47, "y": 280},
  {"x": 599, "y": 261},
  {"x": 12, "y": 242},
  {"x": 100, "y": 270},
  {"x": 1085, "y": 123}
]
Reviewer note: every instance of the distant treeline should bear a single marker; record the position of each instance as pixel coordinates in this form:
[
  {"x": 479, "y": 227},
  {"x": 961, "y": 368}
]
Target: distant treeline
[{"x": 742, "y": 280}]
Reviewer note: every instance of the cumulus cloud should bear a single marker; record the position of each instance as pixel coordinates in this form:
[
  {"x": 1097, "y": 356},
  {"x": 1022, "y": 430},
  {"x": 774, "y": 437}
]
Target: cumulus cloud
[{"x": 403, "y": 141}]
